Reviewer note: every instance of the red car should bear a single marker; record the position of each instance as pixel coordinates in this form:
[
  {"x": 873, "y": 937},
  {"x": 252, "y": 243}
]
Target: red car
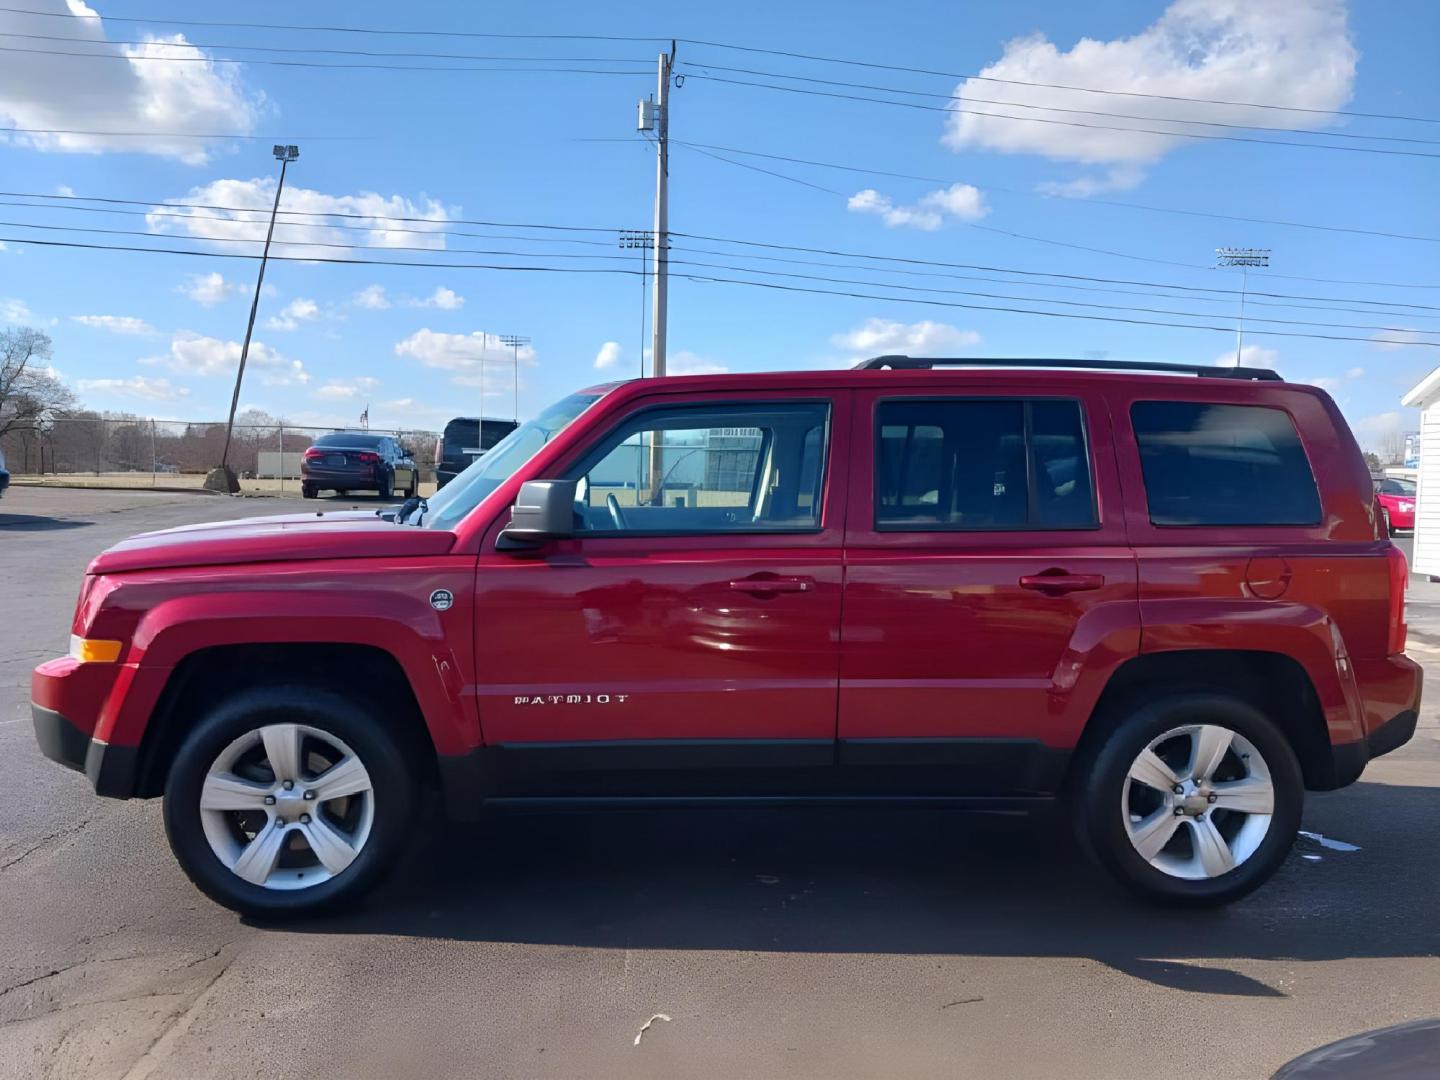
[
  {"x": 1397, "y": 503},
  {"x": 1162, "y": 596}
]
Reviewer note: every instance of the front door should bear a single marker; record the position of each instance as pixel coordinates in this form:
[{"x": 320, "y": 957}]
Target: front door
[
  {"x": 988, "y": 581},
  {"x": 694, "y": 618}
]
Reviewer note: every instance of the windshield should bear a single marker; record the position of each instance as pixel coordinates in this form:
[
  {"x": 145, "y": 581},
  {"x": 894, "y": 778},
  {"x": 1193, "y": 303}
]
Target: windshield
[
  {"x": 456, "y": 499},
  {"x": 347, "y": 438},
  {"x": 1392, "y": 485}
]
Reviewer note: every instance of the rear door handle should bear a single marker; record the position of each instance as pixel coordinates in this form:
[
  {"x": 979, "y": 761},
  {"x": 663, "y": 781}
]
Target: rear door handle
[
  {"x": 1053, "y": 583},
  {"x": 766, "y": 586}
]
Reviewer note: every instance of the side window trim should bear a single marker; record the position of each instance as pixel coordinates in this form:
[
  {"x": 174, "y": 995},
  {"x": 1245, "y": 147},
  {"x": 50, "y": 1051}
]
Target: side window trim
[
  {"x": 596, "y": 451},
  {"x": 1031, "y": 494}
]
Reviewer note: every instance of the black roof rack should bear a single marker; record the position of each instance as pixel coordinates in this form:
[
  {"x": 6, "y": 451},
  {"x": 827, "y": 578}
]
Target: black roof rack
[{"x": 898, "y": 363}]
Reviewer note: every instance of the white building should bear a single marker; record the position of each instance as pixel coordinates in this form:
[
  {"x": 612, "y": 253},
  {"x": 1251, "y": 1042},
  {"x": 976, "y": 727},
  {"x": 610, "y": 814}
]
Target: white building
[{"x": 1425, "y": 396}]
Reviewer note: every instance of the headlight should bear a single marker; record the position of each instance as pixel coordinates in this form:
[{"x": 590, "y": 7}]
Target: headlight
[{"x": 1405, "y": 507}]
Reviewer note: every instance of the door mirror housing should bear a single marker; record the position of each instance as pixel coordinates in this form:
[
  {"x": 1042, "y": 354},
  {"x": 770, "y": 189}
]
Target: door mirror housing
[{"x": 544, "y": 510}]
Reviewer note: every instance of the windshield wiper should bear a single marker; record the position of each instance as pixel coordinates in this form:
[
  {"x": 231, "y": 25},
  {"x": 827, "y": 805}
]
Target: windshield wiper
[{"x": 410, "y": 506}]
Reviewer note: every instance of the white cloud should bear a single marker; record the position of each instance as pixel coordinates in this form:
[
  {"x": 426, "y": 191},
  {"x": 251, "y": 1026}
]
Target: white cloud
[
  {"x": 195, "y": 354},
  {"x": 15, "y": 311},
  {"x": 876, "y": 337},
  {"x": 191, "y": 96},
  {"x": 1332, "y": 383},
  {"x": 371, "y": 297},
  {"x": 209, "y": 289},
  {"x": 442, "y": 298},
  {"x": 345, "y": 389},
  {"x": 252, "y": 200},
  {"x": 685, "y": 362},
  {"x": 1250, "y": 356},
  {"x": 476, "y": 359},
  {"x": 1117, "y": 178},
  {"x": 137, "y": 386},
  {"x": 960, "y": 201},
  {"x": 293, "y": 314},
  {"x": 1380, "y": 432},
  {"x": 1276, "y": 51},
  {"x": 116, "y": 324},
  {"x": 1390, "y": 340},
  {"x": 608, "y": 356}
]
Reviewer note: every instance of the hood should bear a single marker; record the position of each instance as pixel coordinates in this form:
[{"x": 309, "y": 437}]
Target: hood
[{"x": 354, "y": 534}]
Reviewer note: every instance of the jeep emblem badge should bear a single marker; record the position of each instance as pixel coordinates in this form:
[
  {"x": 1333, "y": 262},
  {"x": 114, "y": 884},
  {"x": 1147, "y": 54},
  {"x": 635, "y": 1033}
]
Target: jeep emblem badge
[{"x": 441, "y": 599}]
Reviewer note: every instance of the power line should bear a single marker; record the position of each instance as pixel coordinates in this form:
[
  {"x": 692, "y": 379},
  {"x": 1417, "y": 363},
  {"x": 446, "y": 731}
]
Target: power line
[
  {"x": 697, "y": 278},
  {"x": 1088, "y": 201},
  {"x": 791, "y": 54},
  {"x": 909, "y": 261},
  {"x": 1057, "y": 86},
  {"x": 336, "y": 29},
  {"x": 1063, "y": 123},
  {"x": 185, "y": 135},
  {"x": 313, "y": 64},
  {"x": 1051, "y": 314},
  {"x": 1054, "y": 108}
]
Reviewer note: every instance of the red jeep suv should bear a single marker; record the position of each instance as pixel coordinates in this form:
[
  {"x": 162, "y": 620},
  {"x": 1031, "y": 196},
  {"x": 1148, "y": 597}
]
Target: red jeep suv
[{"x": 1157, "y": 591}]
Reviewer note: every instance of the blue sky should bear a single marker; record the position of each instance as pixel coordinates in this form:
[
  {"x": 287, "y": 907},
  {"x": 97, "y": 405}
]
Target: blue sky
[{"x": 158, "y": 334}]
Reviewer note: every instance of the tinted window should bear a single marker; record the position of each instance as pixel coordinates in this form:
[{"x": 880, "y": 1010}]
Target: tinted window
[
  {"x": 1208, "y": 464},
  {"x": 704, "y": 469},
  {"x": 346, "y": 438},
  {"x": 982, "y": 464}
]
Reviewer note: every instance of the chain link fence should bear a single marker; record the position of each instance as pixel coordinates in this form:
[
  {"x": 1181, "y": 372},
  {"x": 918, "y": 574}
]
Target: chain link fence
[{"x": 142, "y": 452}]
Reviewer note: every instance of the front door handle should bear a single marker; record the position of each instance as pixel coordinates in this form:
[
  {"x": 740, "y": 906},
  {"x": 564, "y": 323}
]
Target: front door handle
[
  {"x": 1058, "y": 583},
  {"x": 768, "y": 586}
]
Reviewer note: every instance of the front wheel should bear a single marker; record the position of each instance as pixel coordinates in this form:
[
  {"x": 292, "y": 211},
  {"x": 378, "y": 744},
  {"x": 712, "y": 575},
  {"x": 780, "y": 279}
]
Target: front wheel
[
  {"x": 1192, "y": 800},
  {"x": 287, "y": 801}
]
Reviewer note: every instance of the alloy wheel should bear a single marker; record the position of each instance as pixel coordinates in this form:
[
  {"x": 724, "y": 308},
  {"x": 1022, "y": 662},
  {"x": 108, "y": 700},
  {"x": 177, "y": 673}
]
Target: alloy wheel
[
  {"x": 1197, "y": 801},
  {"x": 287, "y": 806}
]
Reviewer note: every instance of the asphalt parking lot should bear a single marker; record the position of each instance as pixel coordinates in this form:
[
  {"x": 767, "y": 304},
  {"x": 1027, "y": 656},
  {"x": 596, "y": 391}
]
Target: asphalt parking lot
[{"x": 779, "y": 943}]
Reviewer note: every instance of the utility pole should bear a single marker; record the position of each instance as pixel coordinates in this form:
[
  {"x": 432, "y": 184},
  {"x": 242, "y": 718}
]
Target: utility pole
[
  {"x": 223, "y": 479},
  {"x": 655, "y": 116},
  {"x": 1244, "y": 258},
  {"x": 515, "y": 341},
  {"x": 640, "y": 238}
]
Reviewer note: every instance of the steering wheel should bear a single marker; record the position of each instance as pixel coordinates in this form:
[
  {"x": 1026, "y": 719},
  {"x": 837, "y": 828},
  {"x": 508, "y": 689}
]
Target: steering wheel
[{"x": 616, "y": 514}]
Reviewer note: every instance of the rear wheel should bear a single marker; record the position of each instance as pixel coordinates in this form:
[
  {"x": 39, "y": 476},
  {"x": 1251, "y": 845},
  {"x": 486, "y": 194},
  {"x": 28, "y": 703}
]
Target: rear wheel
[
  {"x": 307, "y": 491},
  {"x": 387, "y": 485},
  {"x": 286, "y": 801},
  {"x": 1192, "y": 800}
]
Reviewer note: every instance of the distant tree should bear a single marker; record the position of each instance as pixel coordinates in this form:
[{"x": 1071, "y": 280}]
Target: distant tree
[
  {"x": 30, "y": 390},
  {"x": 1373, "y": 462}
]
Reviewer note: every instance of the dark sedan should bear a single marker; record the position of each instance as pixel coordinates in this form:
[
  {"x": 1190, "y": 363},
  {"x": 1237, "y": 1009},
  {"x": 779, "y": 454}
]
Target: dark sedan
[{"x": 357, "y": 461}]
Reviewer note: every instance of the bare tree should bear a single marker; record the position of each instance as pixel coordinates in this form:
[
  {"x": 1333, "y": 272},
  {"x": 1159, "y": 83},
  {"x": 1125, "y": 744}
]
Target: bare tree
[{"x": 30, "y": 391}]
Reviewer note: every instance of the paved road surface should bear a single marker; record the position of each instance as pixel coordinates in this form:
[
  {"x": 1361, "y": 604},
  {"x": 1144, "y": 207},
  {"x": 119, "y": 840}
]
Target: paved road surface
[{"x": 781, "y": 944}]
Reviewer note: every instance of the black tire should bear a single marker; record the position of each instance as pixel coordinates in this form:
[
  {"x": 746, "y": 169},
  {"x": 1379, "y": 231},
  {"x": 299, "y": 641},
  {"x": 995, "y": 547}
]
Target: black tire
[
  {"x": 307, "y": 491},
  {"x": 387, "y": 486},
  {"x": 414, "y": 488},
  {"x": 1385, "y": 517},
  {"x": 1100, "y": 787},
  {"x": 359, "y": 726}
]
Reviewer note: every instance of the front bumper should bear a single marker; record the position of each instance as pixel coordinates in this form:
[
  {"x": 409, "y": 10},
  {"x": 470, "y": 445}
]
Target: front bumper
[{"x": 110, "y": 769}]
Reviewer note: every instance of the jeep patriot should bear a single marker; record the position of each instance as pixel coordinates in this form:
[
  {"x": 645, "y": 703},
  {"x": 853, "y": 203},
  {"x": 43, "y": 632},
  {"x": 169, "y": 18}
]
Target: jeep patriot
[{"x": 1162, "y": 593}]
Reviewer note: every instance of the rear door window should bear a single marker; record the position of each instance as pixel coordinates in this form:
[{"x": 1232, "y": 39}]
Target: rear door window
[
  {"x": 1214, "y": 464},
  {"x": 982, "y": 464}
]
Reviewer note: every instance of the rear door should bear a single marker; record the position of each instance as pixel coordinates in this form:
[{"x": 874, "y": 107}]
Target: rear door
[
  {"x": 989, "y": 585},
  {"x": 694, "y": 619}
]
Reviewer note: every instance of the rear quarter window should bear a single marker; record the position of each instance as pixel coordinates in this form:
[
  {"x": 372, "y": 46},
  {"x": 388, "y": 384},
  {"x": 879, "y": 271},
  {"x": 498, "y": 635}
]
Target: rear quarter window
[{"x": 1213, "y": 464}]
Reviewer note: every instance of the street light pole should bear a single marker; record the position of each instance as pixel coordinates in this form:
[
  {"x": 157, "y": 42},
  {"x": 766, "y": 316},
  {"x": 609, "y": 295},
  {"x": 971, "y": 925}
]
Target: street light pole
[
  {"x": 1244, "y": 258},
  {"x": 224, "y": 475},
  {"x": 515, "y": 341}
]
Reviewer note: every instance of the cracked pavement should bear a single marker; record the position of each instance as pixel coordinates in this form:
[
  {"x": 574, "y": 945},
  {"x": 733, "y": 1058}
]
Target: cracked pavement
[{"x": 839, "y": 943}]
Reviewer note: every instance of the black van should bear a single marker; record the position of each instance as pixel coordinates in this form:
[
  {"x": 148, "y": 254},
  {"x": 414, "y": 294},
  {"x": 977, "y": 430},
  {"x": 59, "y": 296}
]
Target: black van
[{"x": 465, "y": 439}]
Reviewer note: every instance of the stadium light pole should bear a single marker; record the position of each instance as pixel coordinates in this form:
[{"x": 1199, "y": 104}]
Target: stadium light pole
[
  {"x": 223, "y": 478},
  {"x": 515, "y": 341},
  {"x": 1244, "y": 258}
]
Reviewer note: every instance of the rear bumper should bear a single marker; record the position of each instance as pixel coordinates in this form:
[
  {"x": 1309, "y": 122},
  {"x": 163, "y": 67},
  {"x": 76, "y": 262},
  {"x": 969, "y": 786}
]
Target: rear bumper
[
  {"x": 340, "y": 478},
  {"x": 1392, "y": 711},
  {"x": 110, "y": 769}
]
